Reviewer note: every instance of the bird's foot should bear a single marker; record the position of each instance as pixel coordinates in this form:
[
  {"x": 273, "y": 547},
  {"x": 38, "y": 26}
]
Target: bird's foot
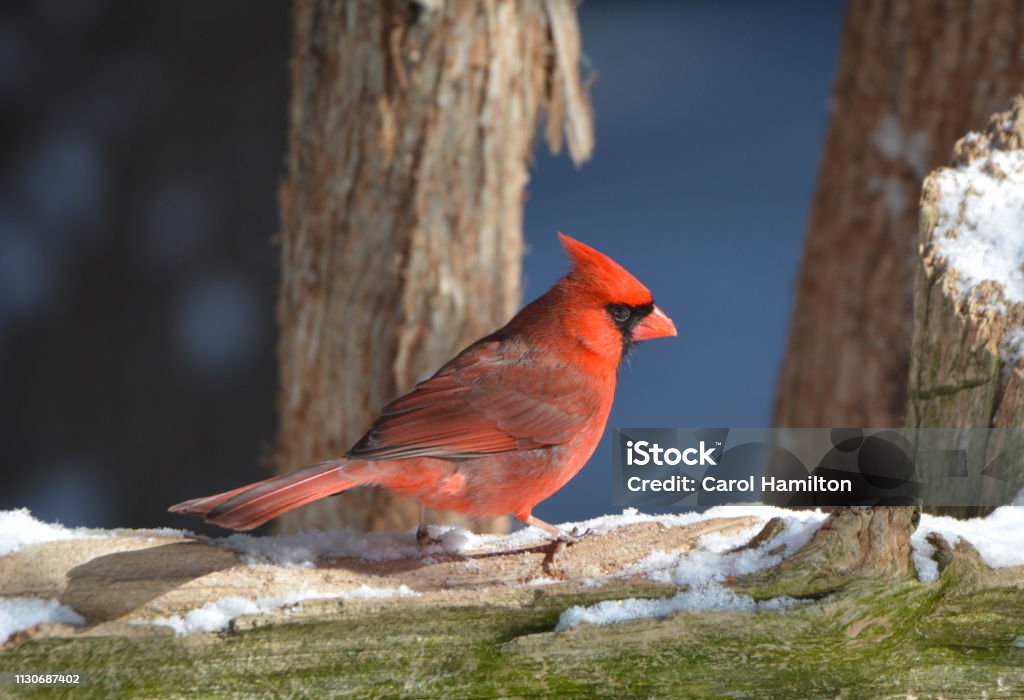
[
  {"x": 577, "y": 534},
  {"x": 555, "y": 547},
  {"x": 551, "y": 552},
  {"x": 424, "y": 540}
]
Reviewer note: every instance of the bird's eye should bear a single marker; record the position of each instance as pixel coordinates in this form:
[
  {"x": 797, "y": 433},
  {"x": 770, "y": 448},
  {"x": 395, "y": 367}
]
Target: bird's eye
[{"x": 620, "y": 313}]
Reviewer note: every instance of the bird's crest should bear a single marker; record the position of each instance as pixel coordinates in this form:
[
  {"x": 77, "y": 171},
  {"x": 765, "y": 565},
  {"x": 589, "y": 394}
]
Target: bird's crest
[{"x": 600, "y": 274}]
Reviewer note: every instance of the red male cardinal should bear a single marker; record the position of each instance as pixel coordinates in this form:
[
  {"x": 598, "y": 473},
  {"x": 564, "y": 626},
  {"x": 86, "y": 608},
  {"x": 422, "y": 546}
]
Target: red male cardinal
[{"x": 500, "y": 427}]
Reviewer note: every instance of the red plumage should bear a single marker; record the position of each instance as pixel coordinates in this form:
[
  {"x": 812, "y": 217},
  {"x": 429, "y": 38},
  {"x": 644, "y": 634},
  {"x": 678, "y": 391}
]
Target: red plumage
[{"x": 501, "y": 426}]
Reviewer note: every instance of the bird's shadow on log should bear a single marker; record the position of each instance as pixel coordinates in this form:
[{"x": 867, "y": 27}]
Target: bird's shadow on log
[
  {"x": 435, "y": 563},
  {"x": 388, "y": 567},
  {"x": 110, "y": 586}
]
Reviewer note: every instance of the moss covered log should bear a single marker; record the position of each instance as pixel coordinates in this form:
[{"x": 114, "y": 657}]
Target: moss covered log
[
  {"x": 873, "y": 630},
  {"x": 877, "y": 640}
]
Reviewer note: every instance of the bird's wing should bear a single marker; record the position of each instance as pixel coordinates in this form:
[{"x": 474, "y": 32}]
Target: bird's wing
[{"x": 486, "y": 401}]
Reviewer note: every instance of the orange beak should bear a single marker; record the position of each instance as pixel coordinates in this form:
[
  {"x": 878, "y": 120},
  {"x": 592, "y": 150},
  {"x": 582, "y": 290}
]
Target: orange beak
[{"x": 655, "y": 325}]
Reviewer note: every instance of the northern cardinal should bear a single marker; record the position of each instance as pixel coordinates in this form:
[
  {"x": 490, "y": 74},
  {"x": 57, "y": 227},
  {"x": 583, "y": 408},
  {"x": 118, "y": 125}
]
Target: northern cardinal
[{"x": 500, "y": 427}]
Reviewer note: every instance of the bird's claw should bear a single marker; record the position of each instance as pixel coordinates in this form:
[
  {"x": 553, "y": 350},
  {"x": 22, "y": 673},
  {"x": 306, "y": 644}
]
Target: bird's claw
[
  {"x": 424, "y": 540},
  {"x": 551, "y": 552},
  {"x": 578, "y": 534},
  {"x": 572, "y": 537},
  {"x": 556, "y": 546}
]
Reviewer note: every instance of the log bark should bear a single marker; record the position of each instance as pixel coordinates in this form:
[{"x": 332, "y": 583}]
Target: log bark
[
  {"x": 913, "y": 77},
  {"x": 866, "y": 626},
  {"x": 965, "y": 368},
  {"x": 412, "y": 128},
  {"x": 854, "y": 543}
]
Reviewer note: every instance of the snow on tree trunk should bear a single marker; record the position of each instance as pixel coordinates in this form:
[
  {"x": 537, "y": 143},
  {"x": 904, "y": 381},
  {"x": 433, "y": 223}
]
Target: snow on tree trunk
[
  {"x": 965, "y": 368},
  {"x": 913, "y": 77},
  {"x": 412, "y": 127}
]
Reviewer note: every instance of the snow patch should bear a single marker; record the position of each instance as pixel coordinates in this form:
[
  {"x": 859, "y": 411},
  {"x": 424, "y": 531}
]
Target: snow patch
[
  {"x": 218, "y": 614},
  {"x": 711, "y": 596},
  {"x": 980, "y": 214},
  {"x": 18, "y": 528},
  {"x": 921, "y": 552},
  {"x": 714, "y": 559},
  {"x": 542, "y": 581},
  {"x": 996, "y": 537},
  {"x": 17, "y": 614},
  {"x": 1012, "y": 350}
]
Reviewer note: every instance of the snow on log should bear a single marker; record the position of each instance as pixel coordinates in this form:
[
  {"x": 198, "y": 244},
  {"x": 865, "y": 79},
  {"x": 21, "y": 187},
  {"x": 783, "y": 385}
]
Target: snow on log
[{"x": 657, "y": 604}]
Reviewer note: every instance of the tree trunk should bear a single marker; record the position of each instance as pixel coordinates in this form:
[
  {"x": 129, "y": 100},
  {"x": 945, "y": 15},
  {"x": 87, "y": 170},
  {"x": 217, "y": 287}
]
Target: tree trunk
[
  {"x": 965, "y": 369},
  {"x": 412, "y": 127},
  {"x": 913, "y": 77}
]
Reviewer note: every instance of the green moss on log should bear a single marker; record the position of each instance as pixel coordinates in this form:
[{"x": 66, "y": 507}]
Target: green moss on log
[{"x": 955, "y": 637}]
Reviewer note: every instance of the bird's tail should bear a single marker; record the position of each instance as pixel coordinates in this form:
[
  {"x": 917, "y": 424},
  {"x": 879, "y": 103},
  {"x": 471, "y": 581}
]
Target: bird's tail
[{"x": 250, "y": 506}]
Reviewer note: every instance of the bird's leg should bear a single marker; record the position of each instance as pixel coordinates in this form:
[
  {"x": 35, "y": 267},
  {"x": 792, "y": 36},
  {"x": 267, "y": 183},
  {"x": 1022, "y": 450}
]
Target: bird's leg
[
  {"x": 423, "y": 538},
  {"x": 560, "y": 540},
  {"x": 556, "y": 532}
]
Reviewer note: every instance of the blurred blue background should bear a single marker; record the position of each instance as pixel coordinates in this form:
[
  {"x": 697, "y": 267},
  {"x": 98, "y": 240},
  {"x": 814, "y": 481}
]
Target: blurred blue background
[{"x": 142, "y": 145}]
